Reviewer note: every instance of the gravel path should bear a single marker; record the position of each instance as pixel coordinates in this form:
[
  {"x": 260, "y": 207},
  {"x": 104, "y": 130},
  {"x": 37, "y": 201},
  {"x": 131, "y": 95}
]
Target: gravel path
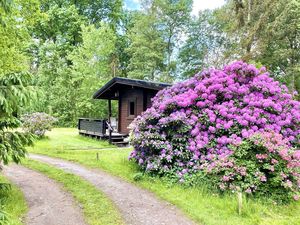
[
  {"x": 138, "y": 206},
  {"x": 48, "y": 203}
]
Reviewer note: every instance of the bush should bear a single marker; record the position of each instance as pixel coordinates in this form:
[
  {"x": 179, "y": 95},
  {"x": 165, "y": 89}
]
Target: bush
[
  {"x": 263, "y": 164},
  {"x": 37, "y": 123},
  {"x": 212, "y": 118}
]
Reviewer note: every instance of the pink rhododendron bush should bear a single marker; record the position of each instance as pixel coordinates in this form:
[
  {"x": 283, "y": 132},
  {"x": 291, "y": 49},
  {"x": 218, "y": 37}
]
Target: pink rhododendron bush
[{"x": 236, "y": 127}]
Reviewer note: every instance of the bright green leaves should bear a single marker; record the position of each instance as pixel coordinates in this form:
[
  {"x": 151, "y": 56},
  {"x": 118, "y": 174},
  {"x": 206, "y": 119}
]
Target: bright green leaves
[
  {"x": 154, "y": 38},
  {"x": 15, "y": 80},
  {"x": 15, "y": 92}
]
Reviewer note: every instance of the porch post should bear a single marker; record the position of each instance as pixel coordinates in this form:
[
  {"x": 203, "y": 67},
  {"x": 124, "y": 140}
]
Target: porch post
[{"x": 109, "y": 116}]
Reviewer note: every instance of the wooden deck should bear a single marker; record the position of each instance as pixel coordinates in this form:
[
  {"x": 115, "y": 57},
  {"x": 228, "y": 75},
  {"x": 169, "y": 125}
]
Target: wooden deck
[{"x": 96, "y": 128}]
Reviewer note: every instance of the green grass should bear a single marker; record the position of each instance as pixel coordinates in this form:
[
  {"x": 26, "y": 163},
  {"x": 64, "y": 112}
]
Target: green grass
[
  {"x": 12, "y": 203},
  {"x": 97, "y": 208},
  {"x": 198, "y": 203},
  {"x": 68, "y": 139}
]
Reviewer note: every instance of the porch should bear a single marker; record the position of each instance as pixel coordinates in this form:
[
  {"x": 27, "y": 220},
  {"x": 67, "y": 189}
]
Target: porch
[{"x": 102, "y": 129}]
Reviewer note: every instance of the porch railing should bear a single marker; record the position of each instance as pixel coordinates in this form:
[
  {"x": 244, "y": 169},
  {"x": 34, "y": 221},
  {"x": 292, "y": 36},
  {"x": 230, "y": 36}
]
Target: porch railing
[{"x": 92, "y": 126}]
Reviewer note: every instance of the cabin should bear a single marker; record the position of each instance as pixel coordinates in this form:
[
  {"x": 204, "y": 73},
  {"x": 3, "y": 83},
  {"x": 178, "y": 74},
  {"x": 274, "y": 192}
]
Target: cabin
[{"x": 133, "y": 96}]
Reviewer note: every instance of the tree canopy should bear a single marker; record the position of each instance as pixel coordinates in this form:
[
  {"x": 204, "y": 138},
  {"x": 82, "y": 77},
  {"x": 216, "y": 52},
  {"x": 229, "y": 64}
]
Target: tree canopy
[{"x": 72, "y": 48}]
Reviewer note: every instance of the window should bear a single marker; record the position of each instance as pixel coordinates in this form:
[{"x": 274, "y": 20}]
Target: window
[{"x": 131, "y": 108}]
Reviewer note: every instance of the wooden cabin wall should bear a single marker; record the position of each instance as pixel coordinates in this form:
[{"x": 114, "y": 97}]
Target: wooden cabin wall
[
  {"x": 148, "y": 94},
  {"x": 126, "y": 95},
  {"x": 142, "y": 98}
]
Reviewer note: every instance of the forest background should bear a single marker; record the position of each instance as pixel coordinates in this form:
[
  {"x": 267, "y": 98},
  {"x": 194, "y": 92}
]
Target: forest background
[{"x": 64, "y": 50}]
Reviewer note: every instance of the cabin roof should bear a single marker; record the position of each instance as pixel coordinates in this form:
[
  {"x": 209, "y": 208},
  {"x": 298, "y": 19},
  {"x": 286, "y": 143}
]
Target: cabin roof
[{"x": 109, "y": 90}]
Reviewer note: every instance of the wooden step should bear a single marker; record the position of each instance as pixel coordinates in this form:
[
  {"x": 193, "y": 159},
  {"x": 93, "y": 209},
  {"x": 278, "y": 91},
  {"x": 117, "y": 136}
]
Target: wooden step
[
  {"x": 121, "y": 143},
  {"x": 117, "y": 138}
]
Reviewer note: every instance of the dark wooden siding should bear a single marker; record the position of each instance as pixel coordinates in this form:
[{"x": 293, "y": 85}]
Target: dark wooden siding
[
  {"x": 148, "y": 95},
  {"x": 141, "y": 97},
  {"x": 127, "y": 95}
]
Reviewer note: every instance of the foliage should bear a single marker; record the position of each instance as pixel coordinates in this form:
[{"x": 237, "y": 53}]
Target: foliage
[
  {"x": 15, "y": 80},
  {"x": 57, "y": 34},
  {"x": 146, "y": 48},
  {"x": 264, "y": 164},
  {"x": 73, "y": 60},
  {"x": 266, "y": 32},
  {"x": 205, "y": 46},
  {"x": 154, "y": 38},
  {"x": 17, "y": 19},
  {"x": 94, "y": 10},
  {"x": 162, "y": 42},
  {"x": 92, "y": 67},
  {"x": 37, "y": 123},
  {"x": 194, "y": 124},
  {"x": 281, "y": 52},
  {"x": 14, "y": 93},
  {"x": 173, "y": 17}
]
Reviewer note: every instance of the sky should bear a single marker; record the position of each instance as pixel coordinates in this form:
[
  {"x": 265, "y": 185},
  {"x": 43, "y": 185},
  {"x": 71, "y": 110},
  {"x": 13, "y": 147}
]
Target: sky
[{"x": 197, "y": 5}]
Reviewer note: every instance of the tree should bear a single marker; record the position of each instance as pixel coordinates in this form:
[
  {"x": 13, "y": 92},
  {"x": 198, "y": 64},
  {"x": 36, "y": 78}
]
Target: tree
[
  {"x": 155, "y": 37},
  {"x": 266, "y": 32},
  {"x": 204, "y": 47},
  {"x": 92, "y": 67},
  {"x": 63, "y": 60},
  {"x": 56, "y": 35},
  {"x": 14, "y": 94},
  {"x": 15, "y": 80},
  {"x": 109, "y": 11},
  {"x": 282, "y": 44},
  {"x": 123, "y": 42},
  {"x": 173, "y": 18},
  {"x": 94, "y": 11},
  {"x": 146, "y": 48}
]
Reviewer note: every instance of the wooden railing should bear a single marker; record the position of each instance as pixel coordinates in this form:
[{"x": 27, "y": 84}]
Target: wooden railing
[{"x": 92, "y": 126}]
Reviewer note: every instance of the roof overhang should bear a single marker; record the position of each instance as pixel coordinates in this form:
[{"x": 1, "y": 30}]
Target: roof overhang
[{"x": 111, "y": 89}]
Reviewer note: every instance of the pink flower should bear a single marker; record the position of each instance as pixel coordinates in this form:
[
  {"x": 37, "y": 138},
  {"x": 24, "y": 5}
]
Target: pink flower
[
  {"x": 200, "y": 104},
  {"x": 226, "y": 178},
  {"x": 261, "y": 156},
  {"x": 222, "y": 186},
  {"x": 212, "y": 129},
  {"x": 263, "y": 178},
  {"x": 248, "y": 190},
  {"x": 296, "y": 155},
  {"x": 289, "y": 183},
  {"x": 296, "y": 197}
]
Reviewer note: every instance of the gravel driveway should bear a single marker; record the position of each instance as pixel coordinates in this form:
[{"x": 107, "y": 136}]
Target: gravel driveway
[
  {"x": 137, "y": 206},
  {"x": 48, "y": 203}
]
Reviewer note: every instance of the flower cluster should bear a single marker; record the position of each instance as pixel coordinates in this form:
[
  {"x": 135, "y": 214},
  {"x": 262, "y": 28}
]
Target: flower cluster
[
  {"x": 37, "y": 123},
  {"x": 265, "y": 162},
  {"x": 196, "y": 124}
]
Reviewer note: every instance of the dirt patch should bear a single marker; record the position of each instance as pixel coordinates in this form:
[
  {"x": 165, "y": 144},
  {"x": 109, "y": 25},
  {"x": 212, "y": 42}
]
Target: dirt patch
[
  {"x": 138, "y": 206},
  {"x": 48, "y": 203}
]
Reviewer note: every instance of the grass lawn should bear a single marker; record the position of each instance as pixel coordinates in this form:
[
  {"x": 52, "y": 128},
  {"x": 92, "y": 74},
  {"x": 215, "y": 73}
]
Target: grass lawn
[
  {"x": 12, "y": 203},
  {"x": 97, "y": 209},
  {"x": 198, "y": 203},
  {"x": 68, "y": 139}
]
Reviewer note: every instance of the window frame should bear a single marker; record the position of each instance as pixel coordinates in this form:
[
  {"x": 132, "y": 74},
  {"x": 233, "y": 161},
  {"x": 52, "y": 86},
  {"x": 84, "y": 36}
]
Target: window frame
[{"x": 130, "y": 101}]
